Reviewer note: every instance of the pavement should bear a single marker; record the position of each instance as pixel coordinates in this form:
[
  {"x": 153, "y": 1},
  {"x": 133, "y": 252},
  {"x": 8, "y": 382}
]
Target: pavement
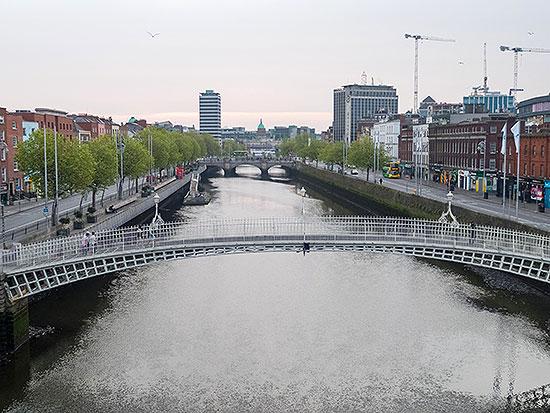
[{"x": 527, "y": 212}]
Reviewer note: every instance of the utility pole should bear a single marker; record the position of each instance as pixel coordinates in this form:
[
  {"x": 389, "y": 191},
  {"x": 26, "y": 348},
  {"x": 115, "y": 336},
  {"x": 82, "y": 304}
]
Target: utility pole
[
  {"x": 56, "y": 199},
  {"x": 45, "y": 211},
  {"x": 120, "y": 141}
]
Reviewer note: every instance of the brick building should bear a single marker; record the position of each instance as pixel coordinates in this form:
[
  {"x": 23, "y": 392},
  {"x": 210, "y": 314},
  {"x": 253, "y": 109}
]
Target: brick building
[
  {"x": 11, "y": 133},
  {"x": 461, "y": 152}
]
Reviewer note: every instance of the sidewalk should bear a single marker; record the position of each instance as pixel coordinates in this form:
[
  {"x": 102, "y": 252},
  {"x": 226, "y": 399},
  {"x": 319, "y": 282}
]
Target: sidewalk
[{"x": 527, "y": 213}]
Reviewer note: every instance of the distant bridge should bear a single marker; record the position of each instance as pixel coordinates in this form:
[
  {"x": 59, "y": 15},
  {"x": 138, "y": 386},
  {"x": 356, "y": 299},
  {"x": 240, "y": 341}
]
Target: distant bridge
[
  {"x": 43, "y": 266},
  {"x": 230, "y": 164}
]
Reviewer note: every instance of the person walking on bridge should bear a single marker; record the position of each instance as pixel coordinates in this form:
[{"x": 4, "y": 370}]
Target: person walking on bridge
[
  {"x": 84, "y": 242},
  {"x": 472, "y": 233}
]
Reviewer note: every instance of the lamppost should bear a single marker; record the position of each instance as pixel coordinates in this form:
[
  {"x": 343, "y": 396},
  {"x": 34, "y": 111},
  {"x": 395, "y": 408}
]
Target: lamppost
[
  {"x": 449, "y": 213},
  {"x": 121, "y": 150},
  {"x": 157, "y": 219},
  {"x": 302, "y": 192},
  {"x": 45, "y": 210},
  {"x": 482, "y": 146}
]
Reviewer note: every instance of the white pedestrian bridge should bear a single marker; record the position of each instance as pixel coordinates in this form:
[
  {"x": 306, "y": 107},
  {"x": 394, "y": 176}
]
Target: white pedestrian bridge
[{"x": 32, "y": 268}]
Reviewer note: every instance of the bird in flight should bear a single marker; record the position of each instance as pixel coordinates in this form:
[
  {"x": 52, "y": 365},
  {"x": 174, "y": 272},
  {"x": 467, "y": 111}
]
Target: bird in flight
[
  {"x": 530, "y": 33},
  {"x": 153, "y": 34},
  {"x": 460, "y": 62}
]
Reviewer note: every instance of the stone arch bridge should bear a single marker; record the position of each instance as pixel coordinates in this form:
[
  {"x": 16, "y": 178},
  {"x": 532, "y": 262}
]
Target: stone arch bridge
[{"x": 263, "y": 164}]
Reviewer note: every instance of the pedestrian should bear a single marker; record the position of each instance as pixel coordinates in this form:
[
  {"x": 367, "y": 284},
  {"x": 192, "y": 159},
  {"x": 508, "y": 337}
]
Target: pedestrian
[
  {"x": 84, "y": 243},
  {"x": 92, "y": 240},
  {"x": 472, "y": 233},
  {"x": 380, "y": 181}
]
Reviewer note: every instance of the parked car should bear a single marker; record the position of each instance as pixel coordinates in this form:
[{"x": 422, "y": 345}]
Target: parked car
[{"x": 354, "y": 172}]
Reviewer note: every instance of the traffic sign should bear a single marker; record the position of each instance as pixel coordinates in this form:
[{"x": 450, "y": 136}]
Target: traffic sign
[{"x": 45, "y": 211}]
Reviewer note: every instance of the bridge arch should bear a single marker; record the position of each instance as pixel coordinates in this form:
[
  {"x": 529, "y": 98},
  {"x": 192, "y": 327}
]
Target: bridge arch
[{"x": 43, "y": 266}]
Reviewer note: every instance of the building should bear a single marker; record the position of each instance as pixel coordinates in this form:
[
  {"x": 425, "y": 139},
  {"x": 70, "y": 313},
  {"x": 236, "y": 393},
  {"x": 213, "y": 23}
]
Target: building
[
  {"x": 133, "y": 127},
  {"x": 461, "y": 152},
  {"x": 53, "y": 119},
  {"x": 261, "y": 133},
  {"x": 353, "y": 103},
  {"x": 386, "y": 135},
  {"x": 210, "y": 113},
  {"x": 420, "y": 149},
  {"x": 489, "y": 102},
  {"x": 96, "y": 125},
  {"x": 438, "y": 112},
  {"x": 11, "y": 133}
]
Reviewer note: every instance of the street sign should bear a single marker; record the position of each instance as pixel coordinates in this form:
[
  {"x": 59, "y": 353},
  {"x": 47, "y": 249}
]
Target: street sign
[{"x": 45, "y": 211}]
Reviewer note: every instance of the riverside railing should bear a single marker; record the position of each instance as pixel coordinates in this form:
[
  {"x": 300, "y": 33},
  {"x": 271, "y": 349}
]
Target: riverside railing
[{"x": 229, "y": 231}]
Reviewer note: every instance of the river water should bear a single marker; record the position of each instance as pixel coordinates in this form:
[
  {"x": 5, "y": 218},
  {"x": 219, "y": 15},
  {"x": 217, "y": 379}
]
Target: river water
[{"x": 325, "y": 332}]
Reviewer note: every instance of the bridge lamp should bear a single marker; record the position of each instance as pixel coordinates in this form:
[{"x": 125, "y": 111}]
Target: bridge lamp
[
  {"x": 302, "y": 193},
  {"x": 157, "y": 219}
]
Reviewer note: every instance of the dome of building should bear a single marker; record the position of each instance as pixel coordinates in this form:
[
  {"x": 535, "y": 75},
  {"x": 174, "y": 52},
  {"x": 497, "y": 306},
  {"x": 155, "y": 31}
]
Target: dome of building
[{"x": 261, "y": 125}]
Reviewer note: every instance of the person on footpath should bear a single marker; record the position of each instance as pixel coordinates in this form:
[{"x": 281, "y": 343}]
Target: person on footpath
[
  {"x": 84, "y": 242},
  {"x": 92, "y": 241}
]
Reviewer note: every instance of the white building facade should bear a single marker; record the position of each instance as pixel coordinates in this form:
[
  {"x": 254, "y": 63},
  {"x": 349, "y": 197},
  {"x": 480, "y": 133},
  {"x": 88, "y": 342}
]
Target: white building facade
[
  {"x": 420, "y": 149},
  {"x": 386, "y": 136}
]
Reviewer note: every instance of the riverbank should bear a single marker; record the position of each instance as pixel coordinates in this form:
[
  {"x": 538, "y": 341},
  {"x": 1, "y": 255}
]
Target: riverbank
[{"x": 380, "y": 200}]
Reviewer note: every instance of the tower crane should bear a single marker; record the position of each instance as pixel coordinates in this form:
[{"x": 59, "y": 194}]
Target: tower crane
[
  {"x": 517, "y": 51},
  {"x": 417, "y": 38}
]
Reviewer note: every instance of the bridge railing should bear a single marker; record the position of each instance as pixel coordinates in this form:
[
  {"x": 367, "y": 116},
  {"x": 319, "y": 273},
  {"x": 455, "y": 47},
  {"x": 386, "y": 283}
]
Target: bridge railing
[{"x": 310, "y": 229}]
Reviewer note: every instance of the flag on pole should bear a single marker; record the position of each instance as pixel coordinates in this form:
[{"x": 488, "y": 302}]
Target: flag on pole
[
  {"x": 516, "y": 131},
  {"x": 504, "y": 136}
]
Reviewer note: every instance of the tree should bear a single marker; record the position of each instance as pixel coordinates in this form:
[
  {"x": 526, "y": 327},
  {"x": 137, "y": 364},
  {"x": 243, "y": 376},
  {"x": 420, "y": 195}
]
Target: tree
[
  {"x": 361, "y": 154},
  {"x": 137, "y": 159},
  {"x": 76, "y": 164},
  {"x": 104, "y": 152},
  {"x": 230, "y": 146},
  {"x": 332, "y": 153}
]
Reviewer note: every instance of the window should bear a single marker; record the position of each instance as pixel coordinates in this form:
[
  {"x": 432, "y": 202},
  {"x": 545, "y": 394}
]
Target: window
[
  {"x": 14, "y": 125},
  {"x": 493, "y": 147},
  {"x": 492, "y": 164},
  {"x": 541, "y": 170},
  {"x": 15, "y": 166},
  {"x": 4, "y": 174},
  {"x": 14, "y": 141},
  {"x": 534, "y": 150},
  {"x": 493, "y": 129},
  {"x": 542, "y": 151},
  {"x": 3, "y": 154},
  {"x": 1, "y": 120}
]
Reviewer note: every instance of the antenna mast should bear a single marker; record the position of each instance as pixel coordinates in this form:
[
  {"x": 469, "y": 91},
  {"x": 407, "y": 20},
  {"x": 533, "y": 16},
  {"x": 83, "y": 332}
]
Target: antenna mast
[{"x": 364, "y": 79}]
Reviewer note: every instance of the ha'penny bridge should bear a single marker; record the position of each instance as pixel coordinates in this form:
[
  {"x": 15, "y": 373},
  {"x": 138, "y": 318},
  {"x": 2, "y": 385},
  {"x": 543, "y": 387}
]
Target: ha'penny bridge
[{"x": 44, "y": 266}]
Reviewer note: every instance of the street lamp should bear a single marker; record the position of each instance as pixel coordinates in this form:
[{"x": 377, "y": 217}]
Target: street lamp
[
  {"x": 157, "y": 219},
  {"x": 482, "y": 146},
  {"x": 302, "y": 193},
  {"x": 449, "y": 213}
]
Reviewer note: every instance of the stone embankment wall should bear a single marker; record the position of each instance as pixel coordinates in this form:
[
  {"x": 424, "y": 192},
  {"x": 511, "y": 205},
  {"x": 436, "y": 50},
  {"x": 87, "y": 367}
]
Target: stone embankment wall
[{"x": 376, "y": 199}]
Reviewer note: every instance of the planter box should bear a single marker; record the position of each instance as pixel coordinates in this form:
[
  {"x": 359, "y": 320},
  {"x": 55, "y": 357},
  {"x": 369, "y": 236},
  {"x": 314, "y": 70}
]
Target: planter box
[
  {"x": 91, "y": 219},
  {"x": 63, "y": 232},
  {"x": 78, "y": 225}
]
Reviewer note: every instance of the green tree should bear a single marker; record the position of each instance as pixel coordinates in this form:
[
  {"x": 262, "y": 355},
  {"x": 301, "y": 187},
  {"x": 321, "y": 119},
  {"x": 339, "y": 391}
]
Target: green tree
[
  {"x": 104, "y": 152},
  {"x": 230, "y": 146},
  {"x": 137, "y": 159},
  {"x": 332, "y": 153},
  {"x": 76, "y": 164}
]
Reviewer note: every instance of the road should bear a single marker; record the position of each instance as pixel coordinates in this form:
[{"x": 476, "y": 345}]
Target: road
[{"x": 527, "y": 213}]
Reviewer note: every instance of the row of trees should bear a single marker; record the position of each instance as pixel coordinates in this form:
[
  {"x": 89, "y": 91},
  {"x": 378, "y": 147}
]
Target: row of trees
[
  {"x": 361, "y": 152},
  {"x": 92, "y": 167}
]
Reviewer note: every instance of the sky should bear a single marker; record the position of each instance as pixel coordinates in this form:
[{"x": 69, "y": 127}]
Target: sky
[{"x": 278, "y": 60}]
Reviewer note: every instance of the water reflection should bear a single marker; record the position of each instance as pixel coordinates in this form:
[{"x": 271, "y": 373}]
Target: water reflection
[{"x": 283, "y": 332}]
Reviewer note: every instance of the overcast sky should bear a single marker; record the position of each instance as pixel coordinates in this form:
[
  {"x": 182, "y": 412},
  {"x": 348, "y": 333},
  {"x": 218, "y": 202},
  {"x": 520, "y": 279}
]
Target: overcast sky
[{"x": 273, "y": 59}]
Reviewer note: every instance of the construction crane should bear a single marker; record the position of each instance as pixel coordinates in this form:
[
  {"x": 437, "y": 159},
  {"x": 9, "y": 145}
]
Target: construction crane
[
  {"x": 485, "y": 88},
  {"x": 517, "y": 51},
  {"x": 417, "y": 38}
]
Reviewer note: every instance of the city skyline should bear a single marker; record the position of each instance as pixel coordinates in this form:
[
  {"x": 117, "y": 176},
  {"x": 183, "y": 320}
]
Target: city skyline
[{"x": 261, "y": 59}]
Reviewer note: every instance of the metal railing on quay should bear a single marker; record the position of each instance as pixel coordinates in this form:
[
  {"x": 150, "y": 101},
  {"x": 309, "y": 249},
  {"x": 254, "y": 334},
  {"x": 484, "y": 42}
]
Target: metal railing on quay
[{"x": 402, "y": 231}]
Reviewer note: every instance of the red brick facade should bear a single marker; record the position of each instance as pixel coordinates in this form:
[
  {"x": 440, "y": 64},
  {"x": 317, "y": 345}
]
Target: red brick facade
[
  {"x": 11, "y": 133},
  {"x": 534, "y": 158}
]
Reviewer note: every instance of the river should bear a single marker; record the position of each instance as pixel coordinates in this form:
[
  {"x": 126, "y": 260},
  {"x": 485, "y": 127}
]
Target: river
[{"x": 325, "y": 332}]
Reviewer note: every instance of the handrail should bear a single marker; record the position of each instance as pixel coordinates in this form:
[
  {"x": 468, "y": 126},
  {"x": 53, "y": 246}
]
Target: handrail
[{"x": 361, "y": 229}]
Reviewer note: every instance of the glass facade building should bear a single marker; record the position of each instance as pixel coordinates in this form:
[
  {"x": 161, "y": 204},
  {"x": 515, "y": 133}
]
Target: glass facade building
[
  {"x": 493, "y": 102},
  {"x": 353, "y": 103},
  {"x": 210, "y": 113}
]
